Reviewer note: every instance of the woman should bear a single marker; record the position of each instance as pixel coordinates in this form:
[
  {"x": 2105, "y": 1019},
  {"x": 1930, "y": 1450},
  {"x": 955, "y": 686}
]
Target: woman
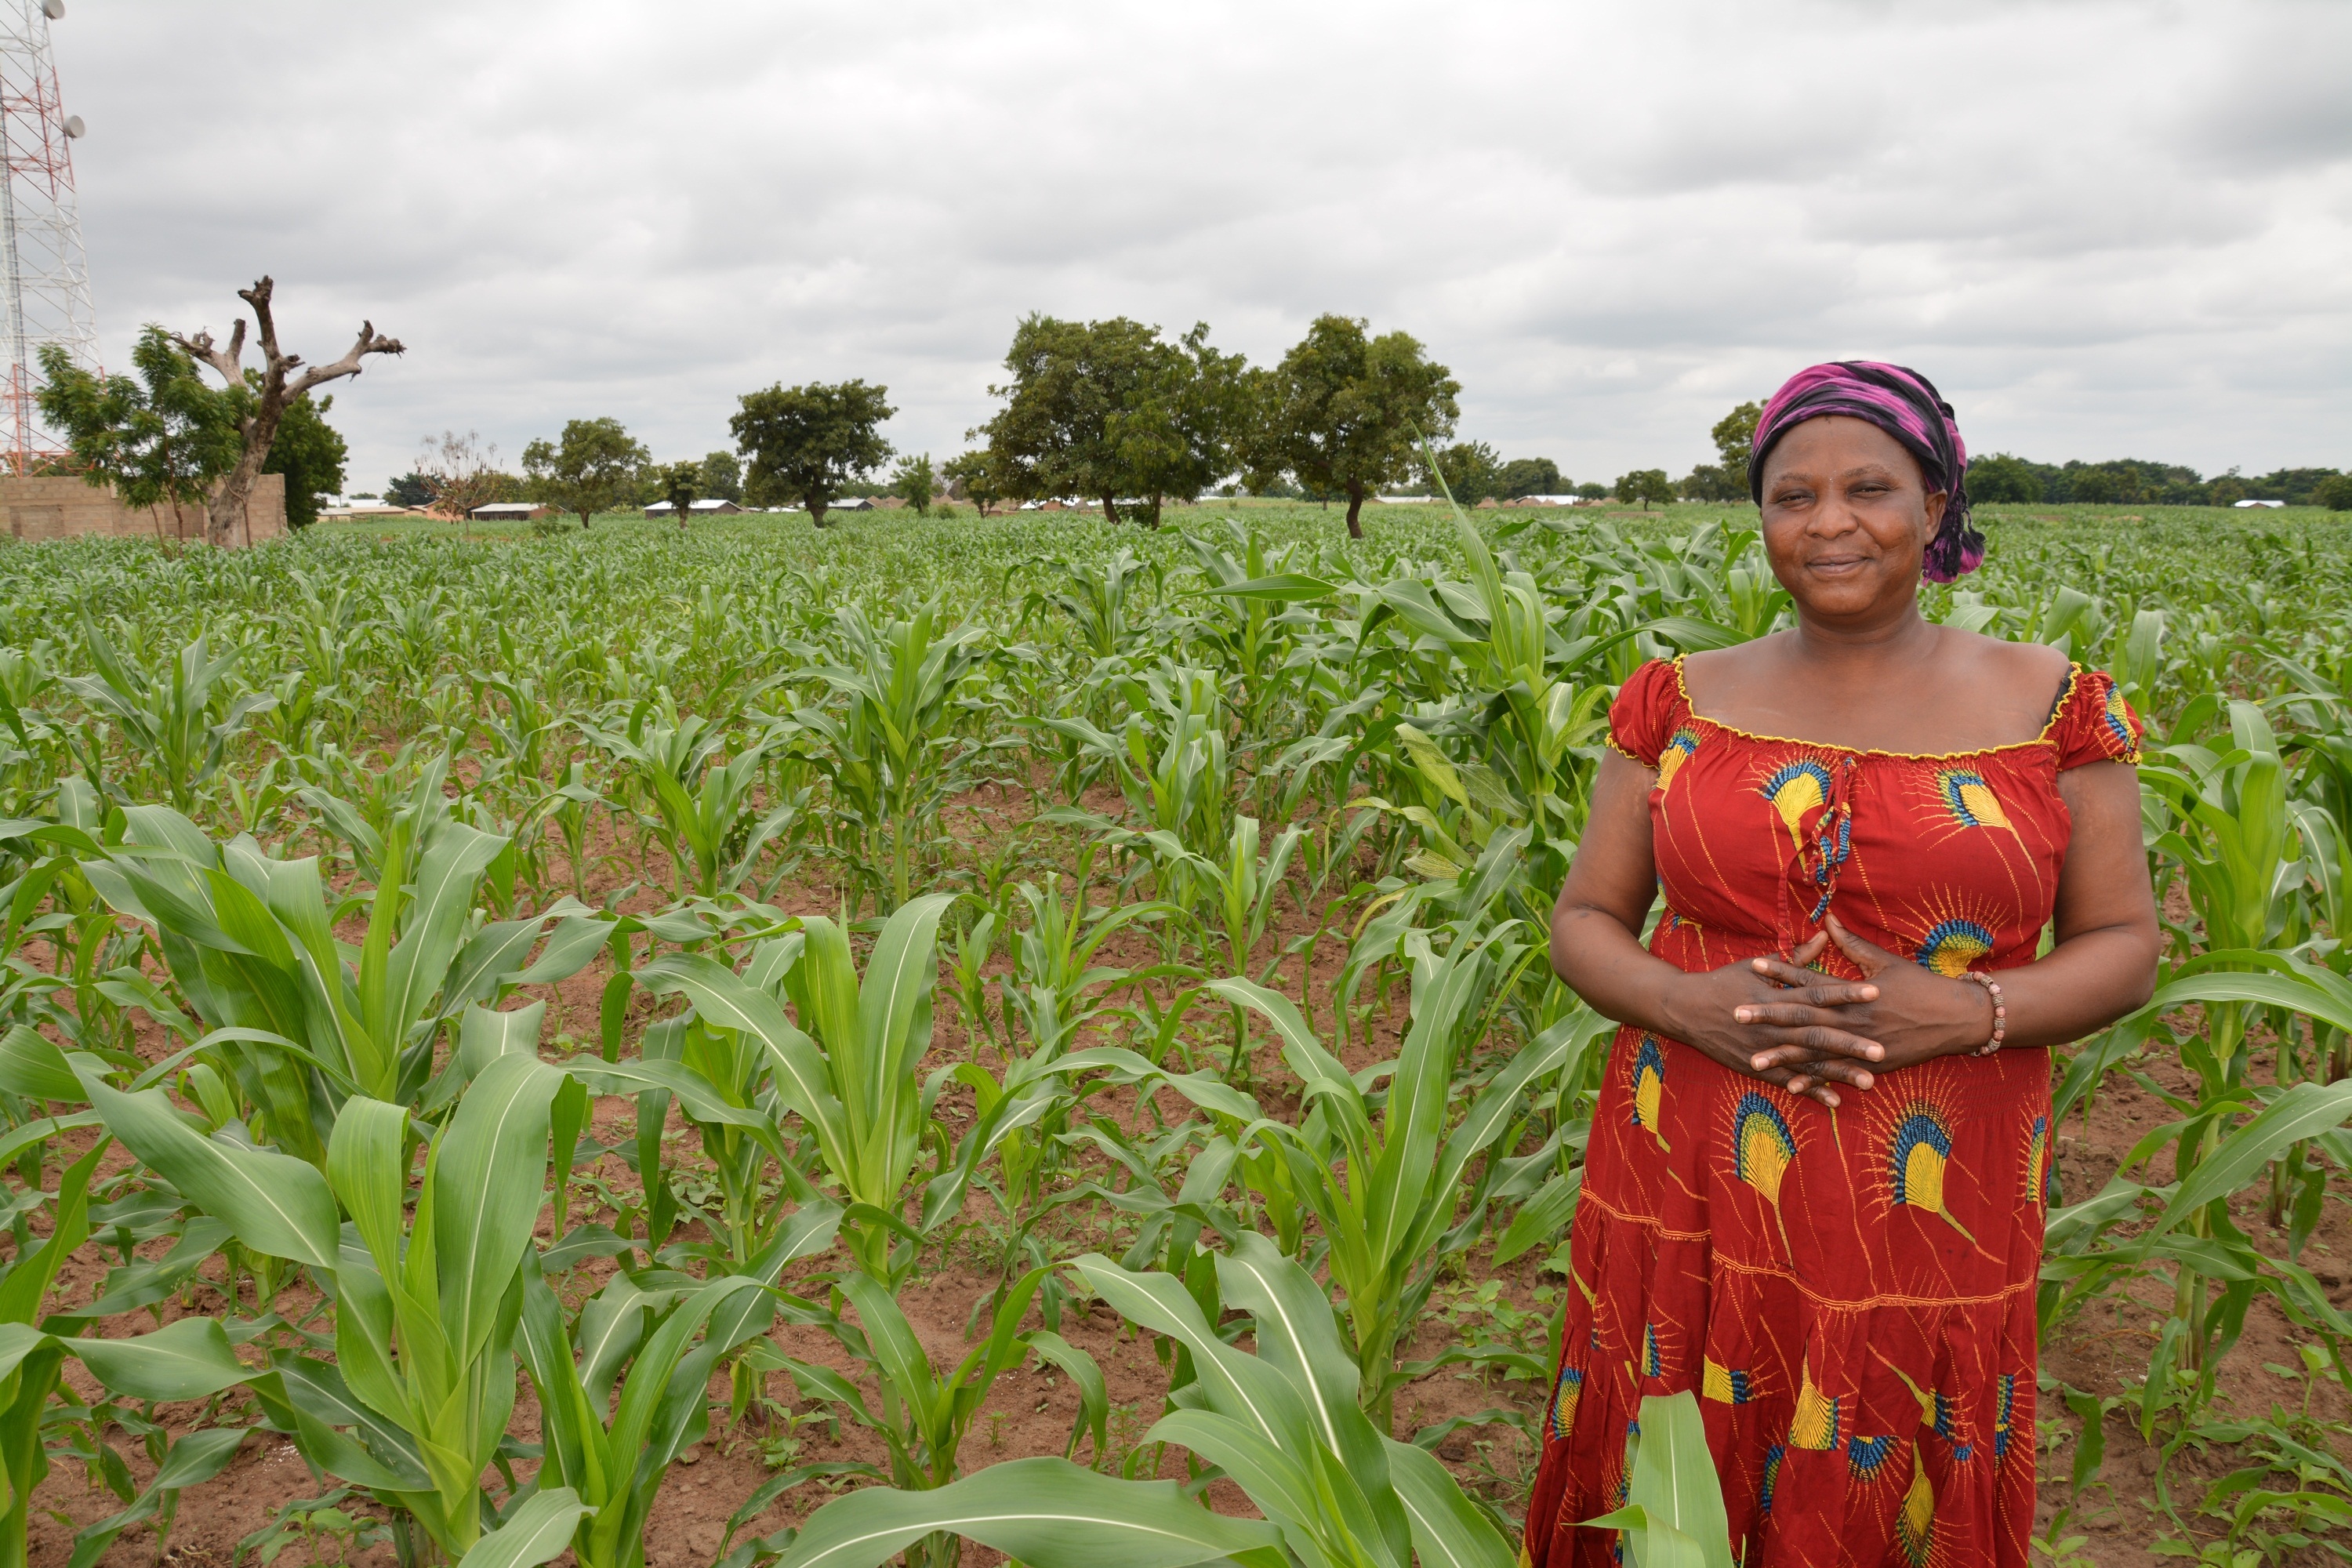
[{"x": 1814, "y": 1191}]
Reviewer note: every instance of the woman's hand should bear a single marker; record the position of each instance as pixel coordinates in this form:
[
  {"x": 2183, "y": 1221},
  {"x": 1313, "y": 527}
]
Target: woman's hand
[
  {"x": 1721, "y": 1012},
  {"x": 1905, "y": 1013}
]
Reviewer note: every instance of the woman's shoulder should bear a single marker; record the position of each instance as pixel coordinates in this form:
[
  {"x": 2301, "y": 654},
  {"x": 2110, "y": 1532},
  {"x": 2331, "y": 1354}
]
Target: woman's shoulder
[
  {"x": 2077, "y": 709},
  {"x": 1646, "y": 710},
  {"x": 1996, "y": 664}
]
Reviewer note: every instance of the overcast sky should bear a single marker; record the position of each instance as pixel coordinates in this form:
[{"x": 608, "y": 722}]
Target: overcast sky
[{"x": 2104, "y": 229}]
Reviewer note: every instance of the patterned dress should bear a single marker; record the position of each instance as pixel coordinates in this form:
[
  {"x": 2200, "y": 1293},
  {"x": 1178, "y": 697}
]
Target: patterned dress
[{"x": 1850, "y": 1293}]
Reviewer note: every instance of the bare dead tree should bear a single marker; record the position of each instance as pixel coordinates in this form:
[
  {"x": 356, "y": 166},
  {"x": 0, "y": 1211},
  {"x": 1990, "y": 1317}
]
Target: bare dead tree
[{"x": 226, "y": 510}]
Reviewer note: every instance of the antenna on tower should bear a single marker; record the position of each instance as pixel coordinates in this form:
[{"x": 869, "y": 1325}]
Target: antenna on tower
[{"x": 44, "y": 272}]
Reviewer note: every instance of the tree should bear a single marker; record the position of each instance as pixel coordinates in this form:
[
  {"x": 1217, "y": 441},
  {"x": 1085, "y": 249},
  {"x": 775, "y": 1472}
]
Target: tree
[
  {"x": 1112, "y": 409},
  {"x": 592, "y": 468},
  {"x": 2001, "y": 478},
  {"x": 161, "y": 439},
  {"x": 723, "y": 476},
  {"x": 1528, "y": 477},
  {"x": 2094, "y": 486},
  {"x": 257, "y": 426},
  {"x": 410, "y": 489},
  {"x": 462, "y": 472},
  {"x": 971, "y": 476},
  {"x": 1710, "y": 481},
  {"x": 682, "y": 485},
  {"x": 915, "y": 484},
  {"x": 1471, "y": 470},
  {"x": 806, "y": 442},
  {"x": 310, "y": 453},
  {"x": 1645, "y": 485},
  {"x": 1344, "y": 411},
  {"x": 2333, "y": 492},
  {"x": 1734, "y": 436},
  {"x": 1592, "y": 490}
]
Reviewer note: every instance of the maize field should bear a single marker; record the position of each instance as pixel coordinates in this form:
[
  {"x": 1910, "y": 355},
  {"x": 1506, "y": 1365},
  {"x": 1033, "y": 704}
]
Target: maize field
[{"x": 959, "y": 1041}]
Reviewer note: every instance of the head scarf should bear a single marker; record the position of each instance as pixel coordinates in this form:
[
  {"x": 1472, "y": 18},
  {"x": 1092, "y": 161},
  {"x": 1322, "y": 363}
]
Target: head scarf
[{"x": 1906, "y": 405}]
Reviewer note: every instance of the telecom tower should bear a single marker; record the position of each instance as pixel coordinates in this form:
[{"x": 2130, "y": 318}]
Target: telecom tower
[{"x": 44, "y": 272}]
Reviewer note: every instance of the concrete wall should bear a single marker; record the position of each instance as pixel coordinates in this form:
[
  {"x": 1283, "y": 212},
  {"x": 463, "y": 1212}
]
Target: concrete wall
[{"x": 48, "y": 508}]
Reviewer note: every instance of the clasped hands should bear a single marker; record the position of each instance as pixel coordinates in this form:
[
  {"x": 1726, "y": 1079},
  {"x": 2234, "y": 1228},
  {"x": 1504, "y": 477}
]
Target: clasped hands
[{"x": 1776, "y": 1019}]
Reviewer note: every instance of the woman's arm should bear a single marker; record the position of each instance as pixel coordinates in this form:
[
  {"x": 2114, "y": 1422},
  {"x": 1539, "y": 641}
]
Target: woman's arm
[
  {"x": 2102, "y": 967},
  {"x": 1596, "y": 948}
]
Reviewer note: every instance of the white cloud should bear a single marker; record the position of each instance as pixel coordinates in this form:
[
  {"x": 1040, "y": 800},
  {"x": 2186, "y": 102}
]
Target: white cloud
[{"x": 2102, "y": 228}]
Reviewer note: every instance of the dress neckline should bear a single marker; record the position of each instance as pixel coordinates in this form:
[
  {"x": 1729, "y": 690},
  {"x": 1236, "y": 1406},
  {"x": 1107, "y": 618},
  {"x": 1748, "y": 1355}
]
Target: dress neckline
[{"x": 2057, "y": 712}]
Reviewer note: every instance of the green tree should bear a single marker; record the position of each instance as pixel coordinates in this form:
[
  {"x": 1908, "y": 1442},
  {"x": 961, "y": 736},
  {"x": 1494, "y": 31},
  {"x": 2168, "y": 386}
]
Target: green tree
[
  {"x": 1592, "y": 490},
  {"x": 682, "y": 485},
  {"x": 1710, "y": 481},
  {"x": 161, "y": 439},
  {"x": 806, "y": 442},
  {"x": 1472, "y": 471},
  {"x": 1111, "y": 410},
  {"x": 1733, "y": 435},
  {"x": 410, "y": 489},
  {"x": 1645, "y": 485},
  {"x": 914, "y": 483},
  {"x": 2333, "y": 492},
  {"x": 1344, "y": 412},
  {"x": 592, "y": 467},
  {"x": 2094, "y": 486},
  {"x": 1529, "y": 477},
  {"x": 2002, "y": 477},
  {"x": 971, "y": 476},
  {"x": 274, "y": 387},
  {"x": 722, "y": 477},
  {"x": 310, "y": 452}
]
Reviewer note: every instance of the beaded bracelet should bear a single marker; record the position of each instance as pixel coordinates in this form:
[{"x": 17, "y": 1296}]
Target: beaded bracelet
[{"x": 1999, "y": 1012}]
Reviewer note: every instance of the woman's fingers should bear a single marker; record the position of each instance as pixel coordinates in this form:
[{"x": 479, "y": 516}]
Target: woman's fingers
[
  {"x": 1817, "y": 1043},
  {"x": 1835, "y": 994},
  {"x": 1804, "y": 1085},
  {"x": 1868, "y": 957},
  {"x": 1798, "y": 1029},
  {"x": 1812, "y": 948}
]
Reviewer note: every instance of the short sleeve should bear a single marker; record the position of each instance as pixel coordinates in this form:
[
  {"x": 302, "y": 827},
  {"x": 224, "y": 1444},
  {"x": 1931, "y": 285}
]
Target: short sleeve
[
  {"x": 1643, "y": 716},
  {"x": 2093, "y": 723}
]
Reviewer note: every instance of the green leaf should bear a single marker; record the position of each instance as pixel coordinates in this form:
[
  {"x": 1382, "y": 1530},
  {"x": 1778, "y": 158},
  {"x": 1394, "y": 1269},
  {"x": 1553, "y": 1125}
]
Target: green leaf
[
  {"x": 275, "y": 1204},
  {"x": 489, "y": 1183},
  {"x": 1048, "y": 1513},
  {"x": 1449, "y": 1530},
  {"x": 186, "y": 1358},
  {"x": 537, "y": 1532},
  {"x": 2303, "y": 1112}
]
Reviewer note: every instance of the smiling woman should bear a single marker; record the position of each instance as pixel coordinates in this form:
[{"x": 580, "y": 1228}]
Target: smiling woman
[{"x": 1814, "y": 1192}]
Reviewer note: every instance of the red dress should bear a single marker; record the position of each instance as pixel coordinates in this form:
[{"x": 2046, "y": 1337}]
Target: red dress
[{"x": 1850, "y": 1293}]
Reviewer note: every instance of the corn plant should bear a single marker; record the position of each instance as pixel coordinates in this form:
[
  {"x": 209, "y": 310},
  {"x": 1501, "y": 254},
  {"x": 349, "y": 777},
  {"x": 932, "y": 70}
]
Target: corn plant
[
  {"x": 176, "y": 722},
  {"x": 1284, "y": 1424},
  {"x": 1383, "y": 1186},
  {"x": 610, "y": 1451},
  {"x": 297, "y": 1025},
  {"x": 922, "y": 1415},
  {"x": 427, "y": 1286},
  {"x": 712, "y": 826},
  {"x": 887, "y": 750},
  {"x": 855, "y": 1084}
]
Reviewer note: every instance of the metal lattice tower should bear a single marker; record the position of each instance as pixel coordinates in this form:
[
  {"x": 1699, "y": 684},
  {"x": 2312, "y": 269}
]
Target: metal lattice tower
[{"x": 44, "y": 272}]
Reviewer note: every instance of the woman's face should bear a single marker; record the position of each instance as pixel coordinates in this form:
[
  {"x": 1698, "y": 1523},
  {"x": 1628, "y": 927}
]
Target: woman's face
[{"x": 1847, "y": 518}]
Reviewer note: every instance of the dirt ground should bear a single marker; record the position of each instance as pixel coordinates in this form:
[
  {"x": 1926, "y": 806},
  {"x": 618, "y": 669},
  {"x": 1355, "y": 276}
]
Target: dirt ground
[{"x": 2104, "y": 1350}]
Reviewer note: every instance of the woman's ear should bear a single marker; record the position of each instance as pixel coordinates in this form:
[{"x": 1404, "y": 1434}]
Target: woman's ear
[{"x": 1936, "y": 501}]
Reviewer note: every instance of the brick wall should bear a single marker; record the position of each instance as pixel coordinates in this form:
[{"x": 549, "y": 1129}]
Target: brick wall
[{"x": 50, "y": 508}]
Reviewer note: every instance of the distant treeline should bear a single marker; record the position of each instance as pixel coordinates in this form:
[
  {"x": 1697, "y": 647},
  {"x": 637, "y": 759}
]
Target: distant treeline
[{"x": 2127, "y": 481}]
